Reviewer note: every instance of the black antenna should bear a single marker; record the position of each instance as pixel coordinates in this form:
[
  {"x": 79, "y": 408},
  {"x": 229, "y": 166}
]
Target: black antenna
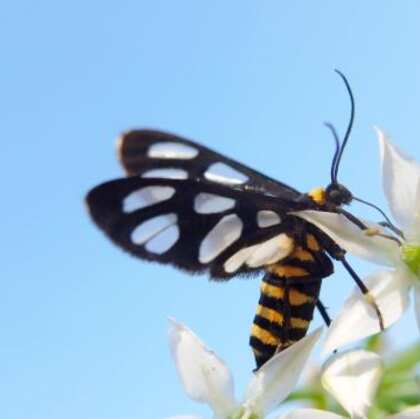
[
  {"x": 349, "y": 126},
  {"x": 337, "y": 150}
]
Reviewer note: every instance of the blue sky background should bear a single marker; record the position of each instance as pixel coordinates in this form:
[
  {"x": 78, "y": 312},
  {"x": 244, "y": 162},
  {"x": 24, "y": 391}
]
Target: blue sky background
[{"x": 83, "y": 325}]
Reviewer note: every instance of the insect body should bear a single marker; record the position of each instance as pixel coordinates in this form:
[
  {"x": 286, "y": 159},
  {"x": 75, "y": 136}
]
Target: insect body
[{"x": 185, "y": 205}]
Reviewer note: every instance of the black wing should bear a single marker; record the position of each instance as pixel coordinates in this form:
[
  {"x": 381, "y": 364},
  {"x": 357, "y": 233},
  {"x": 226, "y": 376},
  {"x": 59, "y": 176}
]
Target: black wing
[
  {"x": 195, "y": 225},
  {"x": 151, "y": 153},
  {"x": 191, "y": 207}
]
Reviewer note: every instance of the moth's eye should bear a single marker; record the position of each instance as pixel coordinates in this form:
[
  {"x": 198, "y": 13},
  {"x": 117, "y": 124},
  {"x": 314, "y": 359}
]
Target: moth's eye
[{"x": 334, "y": 194}]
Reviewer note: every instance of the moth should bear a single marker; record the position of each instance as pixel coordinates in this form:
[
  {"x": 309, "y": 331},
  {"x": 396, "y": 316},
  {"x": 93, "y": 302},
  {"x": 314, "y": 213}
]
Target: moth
[{"x": 188, "y": 206}]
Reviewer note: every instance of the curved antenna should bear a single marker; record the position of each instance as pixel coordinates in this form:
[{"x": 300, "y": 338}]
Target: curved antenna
[
  {"x": 388, "y": 221},
  {"x": 337, "y": 151},
  {"x": 349, "y": 126}
]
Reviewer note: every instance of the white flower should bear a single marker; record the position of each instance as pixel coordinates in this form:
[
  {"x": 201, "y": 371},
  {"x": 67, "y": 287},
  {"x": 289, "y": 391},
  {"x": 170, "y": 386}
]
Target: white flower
[
  {"x": 389, "y": 289},
  {"x": 207, "y": 379},
  {"x": 352, "y": 379}
]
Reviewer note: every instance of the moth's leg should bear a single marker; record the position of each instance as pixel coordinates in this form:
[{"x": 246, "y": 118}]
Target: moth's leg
[
  {"x": 323, "y": 311},
  {"x": 370, "y": 231},
  {"x": 365, "y": 291},
  {"x": 373, "y": 232},
  {"x": 324, "y": 314},
  {"x": 352, "y": 218},
  {"x": 394, "y": 229}
]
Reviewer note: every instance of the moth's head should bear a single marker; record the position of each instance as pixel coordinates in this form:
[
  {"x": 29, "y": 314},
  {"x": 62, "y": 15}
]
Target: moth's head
[{"x": 338, "y": 194}]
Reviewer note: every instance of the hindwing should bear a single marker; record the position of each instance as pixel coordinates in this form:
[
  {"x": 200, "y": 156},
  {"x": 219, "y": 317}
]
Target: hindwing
[{"x": 194, "y": 225}]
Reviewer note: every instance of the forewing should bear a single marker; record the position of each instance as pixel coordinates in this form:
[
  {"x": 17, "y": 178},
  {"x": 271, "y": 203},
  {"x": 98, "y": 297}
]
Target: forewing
[
  {"x": 192, "y": 224},
  {"x": 149, "y": 153}
]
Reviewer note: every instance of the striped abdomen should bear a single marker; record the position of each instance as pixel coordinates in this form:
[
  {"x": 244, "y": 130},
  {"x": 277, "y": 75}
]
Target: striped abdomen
[
  {"x": 289, "y": 294},
  {"x": 282, "y": 316}
]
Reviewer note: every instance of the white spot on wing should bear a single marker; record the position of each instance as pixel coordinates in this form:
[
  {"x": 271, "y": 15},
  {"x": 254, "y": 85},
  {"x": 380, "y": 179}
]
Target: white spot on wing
[
  {"x": 163, "y": 241},
  {"x": 270, "y": 251},
  {"x": 261, "y": 254},
  {"x": 168, "y": 173},
  {"x": 147, "y": 196},
  {"x": 223, "y": 234},
  {"x": 207, "y": 203},
  {"x": 152, "y": 228},
  {"x": 267, "y": 218},
  {"x": 238, "y": 259},
  {"x": 172, "y": 150},
  {"x": 222, "y": 173}
]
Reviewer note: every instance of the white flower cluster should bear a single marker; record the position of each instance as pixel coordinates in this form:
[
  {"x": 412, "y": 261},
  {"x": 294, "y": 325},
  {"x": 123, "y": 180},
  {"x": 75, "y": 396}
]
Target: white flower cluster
[{"x": 351, "y": 378}]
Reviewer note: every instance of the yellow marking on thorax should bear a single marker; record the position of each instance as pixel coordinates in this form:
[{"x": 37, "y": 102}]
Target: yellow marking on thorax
[
  {"x": 302, "y": 254},
  {"x": 272, "y": 291},
  {"x": 287, "y": 271},
  {"x": 318, "y": 195},
  {"x": 297, "y": 298},
  {"x": 299, "y": 323},
  {"x": 312, "y": 243},
  {"x": 270, "y": 314},
  {"x": 264, "y": 336}
]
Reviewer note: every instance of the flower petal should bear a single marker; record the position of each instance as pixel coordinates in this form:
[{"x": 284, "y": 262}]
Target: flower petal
[
  {"x": 352, "y": 379},
  {"x": 310, "y": 414},
  {"x": 412, "y": 412},
  {"x": 276, "y": 378},
  {"x": 347, "y": 235},
  {"x": 358, "y": 319},
  {"x": 417, "y": 303},
  {"x": 412, "y": 233},
  {"x": 401, "y": 179},
  {"x": 203, "y": 374}
]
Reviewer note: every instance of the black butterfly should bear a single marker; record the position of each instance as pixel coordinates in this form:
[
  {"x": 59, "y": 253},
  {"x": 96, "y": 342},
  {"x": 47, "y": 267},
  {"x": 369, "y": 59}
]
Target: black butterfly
[{"x": 186, "y": 205}]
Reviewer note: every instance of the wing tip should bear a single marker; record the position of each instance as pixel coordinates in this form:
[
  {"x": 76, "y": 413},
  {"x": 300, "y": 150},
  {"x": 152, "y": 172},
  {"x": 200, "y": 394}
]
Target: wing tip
[
  {"x": 123, "y": 145},
  {"x": 132, "y": 143}
]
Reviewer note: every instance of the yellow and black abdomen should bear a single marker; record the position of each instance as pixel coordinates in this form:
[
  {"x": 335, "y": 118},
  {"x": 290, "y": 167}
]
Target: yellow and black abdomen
[{"x": 289, "y": 294}]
